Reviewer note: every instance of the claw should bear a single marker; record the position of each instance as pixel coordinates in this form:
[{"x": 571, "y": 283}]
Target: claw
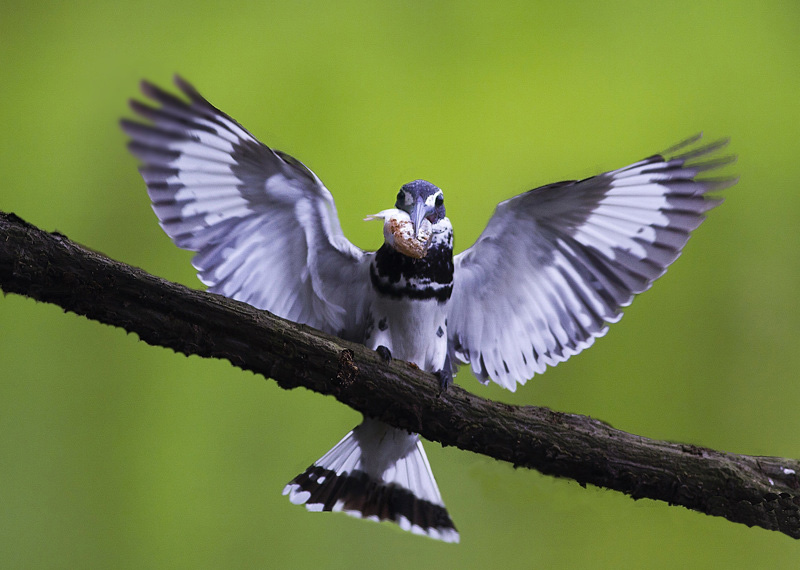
[
  {"x": 445, "y": 377},
  {"x": 384, "y": 353}
]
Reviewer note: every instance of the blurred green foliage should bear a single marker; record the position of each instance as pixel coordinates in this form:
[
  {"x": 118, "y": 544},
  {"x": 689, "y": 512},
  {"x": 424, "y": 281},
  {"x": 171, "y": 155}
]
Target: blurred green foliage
[{"x": 114, "y": 454}]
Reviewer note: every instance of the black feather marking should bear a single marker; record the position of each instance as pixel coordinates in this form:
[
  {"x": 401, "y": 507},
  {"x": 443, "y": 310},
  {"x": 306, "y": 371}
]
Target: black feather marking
[
  {"x": 357, "y": 491},
  {"x": 396, "y": 275}
]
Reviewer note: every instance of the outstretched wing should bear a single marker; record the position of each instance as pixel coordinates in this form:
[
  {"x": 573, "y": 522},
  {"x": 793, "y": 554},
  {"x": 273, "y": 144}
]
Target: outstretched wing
[
  {"x": 557, "y": 263},
  {"x": 264, "y": 227}
]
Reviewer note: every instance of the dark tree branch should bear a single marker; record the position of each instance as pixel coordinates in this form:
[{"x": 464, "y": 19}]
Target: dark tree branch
[{"x": 756, "y": 491}]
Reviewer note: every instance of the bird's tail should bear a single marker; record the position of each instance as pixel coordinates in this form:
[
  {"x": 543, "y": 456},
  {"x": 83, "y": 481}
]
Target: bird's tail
[{"x": 378, "y": 473}]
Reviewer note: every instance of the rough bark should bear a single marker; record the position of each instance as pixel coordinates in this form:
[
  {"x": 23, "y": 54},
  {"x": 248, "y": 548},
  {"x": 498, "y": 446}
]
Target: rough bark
[{"x": 756, "y": 491}]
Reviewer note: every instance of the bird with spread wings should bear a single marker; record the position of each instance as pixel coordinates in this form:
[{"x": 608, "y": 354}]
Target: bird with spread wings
[{"x": 553, "y": 267}]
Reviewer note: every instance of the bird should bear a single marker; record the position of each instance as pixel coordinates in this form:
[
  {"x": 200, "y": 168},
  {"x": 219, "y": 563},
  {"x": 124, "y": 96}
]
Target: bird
[{"x": 552, "y": 269}]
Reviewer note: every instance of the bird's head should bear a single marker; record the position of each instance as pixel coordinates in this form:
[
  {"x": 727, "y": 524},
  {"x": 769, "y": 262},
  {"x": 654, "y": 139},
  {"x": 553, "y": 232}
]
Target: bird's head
[
  {"x": 408, "y": 227},
  {"x": 420, "y": 200}
]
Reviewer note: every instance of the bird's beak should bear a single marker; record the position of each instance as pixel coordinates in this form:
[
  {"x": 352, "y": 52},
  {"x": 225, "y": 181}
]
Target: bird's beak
[{"x": 418, "y": 214}]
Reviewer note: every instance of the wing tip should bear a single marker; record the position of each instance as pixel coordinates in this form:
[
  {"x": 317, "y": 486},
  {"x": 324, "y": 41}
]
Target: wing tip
[
  {"x": 148, "y": 88},
  {"x": 698, "y": 151},
  {"x": 682, "y": 144},
  {"x": 188, "y": 89},
  {"x": 713, "y": 185}
]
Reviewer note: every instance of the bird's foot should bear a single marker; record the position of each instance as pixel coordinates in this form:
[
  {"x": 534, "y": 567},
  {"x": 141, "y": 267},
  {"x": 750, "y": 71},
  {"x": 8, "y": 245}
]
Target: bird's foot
[
  {"x": 445, "y": 377},
  {"x": 384, "y": 353}
]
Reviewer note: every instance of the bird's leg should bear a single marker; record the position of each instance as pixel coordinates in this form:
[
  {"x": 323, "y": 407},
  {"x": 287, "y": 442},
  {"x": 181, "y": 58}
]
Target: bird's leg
[
  {"x": 445, "y": 375},
  {"x": 384, "y": 353}
]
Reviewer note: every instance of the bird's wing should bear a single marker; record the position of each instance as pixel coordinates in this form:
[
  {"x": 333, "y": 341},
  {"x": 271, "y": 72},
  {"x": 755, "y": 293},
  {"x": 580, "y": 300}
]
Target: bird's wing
[
  {"x": 557, "y": 263},
  {"x": 264, "y": 227}
]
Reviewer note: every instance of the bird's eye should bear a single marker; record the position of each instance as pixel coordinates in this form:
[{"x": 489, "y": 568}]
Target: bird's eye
[
  {"x": 400, "y": 196},
  {"x": 439, "y": 200}
]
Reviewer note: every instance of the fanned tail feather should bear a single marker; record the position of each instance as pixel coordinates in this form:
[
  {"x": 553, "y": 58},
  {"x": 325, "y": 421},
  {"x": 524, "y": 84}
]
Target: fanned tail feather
[{"x": 378, "y": 473}]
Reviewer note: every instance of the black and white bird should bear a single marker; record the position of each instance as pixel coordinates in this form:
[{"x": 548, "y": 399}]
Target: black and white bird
[{"x": 553, "y": 267}]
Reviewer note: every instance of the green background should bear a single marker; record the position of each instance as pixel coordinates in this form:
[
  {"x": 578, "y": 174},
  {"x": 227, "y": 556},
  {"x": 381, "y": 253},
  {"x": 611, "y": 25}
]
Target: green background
[{"x": 116, "y": 454}]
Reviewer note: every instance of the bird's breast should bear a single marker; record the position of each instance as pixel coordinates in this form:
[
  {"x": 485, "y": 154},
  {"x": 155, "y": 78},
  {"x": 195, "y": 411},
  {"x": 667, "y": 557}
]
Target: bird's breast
[
  {"x": 412, "y": 330},
  {"x": 401, "y": 277},
  {"x": 408, "y": 314}
]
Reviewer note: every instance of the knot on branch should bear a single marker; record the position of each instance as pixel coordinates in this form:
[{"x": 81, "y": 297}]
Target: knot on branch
[{"x": 347, "y": 371}]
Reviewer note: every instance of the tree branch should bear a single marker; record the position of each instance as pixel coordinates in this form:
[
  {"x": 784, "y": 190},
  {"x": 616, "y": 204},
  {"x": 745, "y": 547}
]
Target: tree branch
[{"x": 756, "y": 491}]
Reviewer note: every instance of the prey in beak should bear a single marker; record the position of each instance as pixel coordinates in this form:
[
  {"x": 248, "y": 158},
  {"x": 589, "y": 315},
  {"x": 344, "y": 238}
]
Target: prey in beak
[{"x": 409, "y": 235}]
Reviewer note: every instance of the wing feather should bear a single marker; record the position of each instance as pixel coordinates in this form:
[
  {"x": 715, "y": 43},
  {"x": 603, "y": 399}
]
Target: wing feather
[
  {"x": 556, "y": 264},
  {"x": 264, "y": 227}
]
